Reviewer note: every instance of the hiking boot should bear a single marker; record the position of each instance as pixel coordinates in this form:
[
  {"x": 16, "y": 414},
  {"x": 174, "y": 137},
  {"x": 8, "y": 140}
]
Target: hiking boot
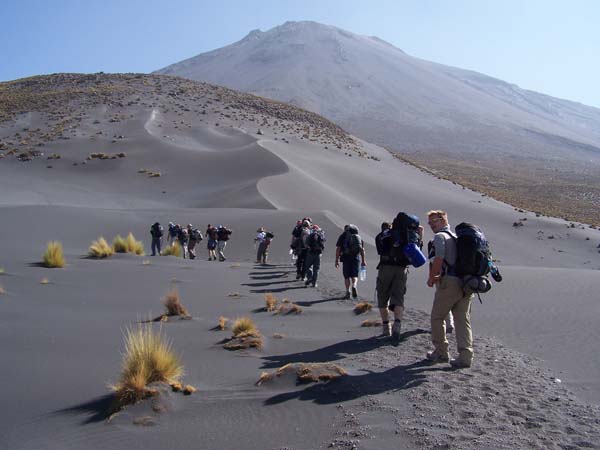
[
  {"x": 306, "y": 283},
  {"x": 396, "y": 327},
  {"x": 458, "y": 363},
  {"x": 449, "y": 330},
  {"x": 436, "y": 357},
  {"x": 386, "y": 331},
  {"x": 314, "y": 285},
  {"x": 354, "y": 293},
  {"x": 347, "y": 296}
]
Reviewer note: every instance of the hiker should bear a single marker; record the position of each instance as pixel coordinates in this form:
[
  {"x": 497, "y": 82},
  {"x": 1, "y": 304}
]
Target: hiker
[
  {"x": 156, "y": 231},
  {"x": 263, "y": 241},
  {"x": 223, "y": 234},
  {"x": 350, "y": 250},
  {"x": 211, "y": 245},
  {"x": 449, "y": 296},
  {"x": 195, "y": 236},
  {"x": 171, "y": 234},
  {"x": 315, "y": 244},
  {"x": 182, "y": 238},
  {"x": 299, "y": 236}
]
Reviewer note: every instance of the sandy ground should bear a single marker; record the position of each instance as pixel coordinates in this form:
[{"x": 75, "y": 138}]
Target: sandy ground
[{"x": 534, "y": 383}]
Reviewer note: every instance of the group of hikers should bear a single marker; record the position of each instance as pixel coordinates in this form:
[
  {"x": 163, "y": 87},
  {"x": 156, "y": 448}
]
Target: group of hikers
[
  {"x": 188, "y": 237},
  {"x": 458, "y": 264}
]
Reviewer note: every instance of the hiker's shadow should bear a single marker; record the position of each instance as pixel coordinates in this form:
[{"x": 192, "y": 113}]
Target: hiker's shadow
[
  {"x": 351, "y": 387},
  {"x": 330, "y": 353},
  {"x": 282, "y": 289},
  {"x": 265, "y": 283},
  {"x": 271, "y": 276},
  {"x": 316, "y": 302}
]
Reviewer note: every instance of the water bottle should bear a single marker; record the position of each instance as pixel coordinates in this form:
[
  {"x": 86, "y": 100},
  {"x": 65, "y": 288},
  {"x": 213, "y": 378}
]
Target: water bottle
[
  {"x": 293, "y": 255},
  {"x": 362, "y": 275},
  {"x": 495, "y": 272},
  {"x": 414, "y": 254}
]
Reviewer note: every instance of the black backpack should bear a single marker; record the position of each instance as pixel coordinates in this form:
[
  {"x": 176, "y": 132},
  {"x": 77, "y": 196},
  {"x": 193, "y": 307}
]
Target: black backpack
[
  {"x": 352, "y": 242},
  {"x": 473, "y": 256},
  {"x": 269, "y": 235},
  {"x": 405, "y": 227},
  {"x": 196, "y": 235},
  {"x": 156, "y": 230}
]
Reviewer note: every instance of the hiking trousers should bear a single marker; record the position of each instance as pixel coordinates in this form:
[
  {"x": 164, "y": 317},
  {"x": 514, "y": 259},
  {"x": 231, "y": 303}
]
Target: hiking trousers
[
  {"x": 156, "y": 241},
  {"x": 262, "y": 252},
  {"x": 221, "y": 249},
  {"x": 449, "y": 296},
  {"x": 300, "y": 270},
  {"x": 312, "y": 264},
  {"x": 191, "y": 247}
]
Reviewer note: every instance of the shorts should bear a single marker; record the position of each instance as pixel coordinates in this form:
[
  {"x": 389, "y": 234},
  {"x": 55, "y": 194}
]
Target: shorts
[
  {"x": 211, "y": 244},
  {"x": 350, "y": 266},
  {"x": 391, "y": 286}
]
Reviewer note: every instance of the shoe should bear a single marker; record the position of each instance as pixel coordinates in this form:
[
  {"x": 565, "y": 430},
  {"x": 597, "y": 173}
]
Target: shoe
[
  {"x": 449, "y": 330},
  {"x": 435, "y": 357},
  {"x": 347, "y": 296},
  {"x": 386, "y": 331},
  {"x": 298, "y": 276},
  {"x": 354, "y": 293},
  {"x": 314, "y": 285},
  {"x": 306, "y": 283},
  {"x": 396, "y": 327},
  {"x": 459, "y": 363}
]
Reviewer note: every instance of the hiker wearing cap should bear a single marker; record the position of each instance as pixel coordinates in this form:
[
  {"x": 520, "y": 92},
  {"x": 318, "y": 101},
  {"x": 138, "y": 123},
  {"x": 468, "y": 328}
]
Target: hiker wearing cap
[
  {"x": 171, "y": 234},
  {"x": 315, "y": 244},
  {"x": 223, "y": 234},
  {"x": 351, "y": 252},
  {"x": 263, "y": 240},
  {"x": 195, "y": 236},
  {"x": 301, "y": 248},
  {"x": 449, "y": 296},
  {"x": 182, "y": 237}
]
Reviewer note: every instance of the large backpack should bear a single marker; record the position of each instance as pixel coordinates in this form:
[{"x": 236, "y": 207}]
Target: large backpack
[
  {"x": 352, "y": 242},
  {"x": 473, "y": 256},
  {"x": 315, "y": 242},
  {"x": 405, "y": 228},
  {"x": 156, "y": 230},
  {"x": 196, "y": 235}
]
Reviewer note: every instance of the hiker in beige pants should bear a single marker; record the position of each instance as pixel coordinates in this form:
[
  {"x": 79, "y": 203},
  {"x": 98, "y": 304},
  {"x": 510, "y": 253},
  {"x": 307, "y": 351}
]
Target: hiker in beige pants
[{"x": 449, "y": 296}]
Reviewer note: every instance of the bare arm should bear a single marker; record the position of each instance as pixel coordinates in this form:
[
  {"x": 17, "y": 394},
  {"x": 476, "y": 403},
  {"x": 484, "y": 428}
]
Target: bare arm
[
  {"x": 337, "y": 256},
  {"x": 435, "y": 271}
]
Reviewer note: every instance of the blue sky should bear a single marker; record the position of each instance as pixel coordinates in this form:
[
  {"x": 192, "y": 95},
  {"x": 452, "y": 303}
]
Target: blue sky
[{"x": 548, "y": 46}]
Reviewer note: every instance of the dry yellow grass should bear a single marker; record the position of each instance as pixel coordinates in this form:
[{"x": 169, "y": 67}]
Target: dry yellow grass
[
  {"x": 148, "y": 358},
  {"x": 44, "y": 281},
  {"x": 278, "y": 336},
  {"x": 270, "y": 302},
  {"x": 2, "y": 271},
  {"x": 100, "y": 249},
  {"x": 234, "y": 295},
  {"x": 222, "y": 323},
  {"x": 172, "y": 250},
  {"x": 53, "y": 256},
  {"x": 362, "y": 308},
  {"x": 305, "y": 372},
  {"x": 244, "y": 326},
  {"x": 119, "y": 244},
  {"x": 173, "y": 305},
  {"x": 288, "y": 307},
  {"x": 133, "y": 245},
  {"x": 189, "y": 389},
  {"x": 146, "y": 262},
  {"x": 2, "y": 291},
  {"x": 264, "y": 376},
  {"x": 177, "y": 387}
]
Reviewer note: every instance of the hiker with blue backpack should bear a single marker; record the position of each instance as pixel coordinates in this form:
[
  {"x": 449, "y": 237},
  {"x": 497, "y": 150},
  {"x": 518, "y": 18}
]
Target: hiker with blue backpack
[
  {"x": 460, "y": 264},
  {"x": 398, "y": 246},
  {"x": 351, "y": 252}
]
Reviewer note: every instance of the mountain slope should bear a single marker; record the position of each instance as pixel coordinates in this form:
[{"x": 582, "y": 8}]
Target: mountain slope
[{"x": 485, "y": 133}]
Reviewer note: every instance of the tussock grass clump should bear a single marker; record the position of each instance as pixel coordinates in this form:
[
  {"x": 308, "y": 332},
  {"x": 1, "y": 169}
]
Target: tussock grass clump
[
  {"x": 189, "y": 389},
  {"x": 133, "y": 245},
  {"x": 128, "y": 245},
  {"x": 119, "y": 244},
  {"x": 172, "y": 250},
  {"x": 288, "y": 307},
  {"x": 245, "y": 335},
  {"x": 270, "y": 302},
  {"x": 100, "y": 249},
  {"x": 148, "y": 358},
  {"x": 362, "y": 308},
  {"x": 371, "y": 323},
  {"x": 53, "y": 256},
  {"x": 173, "y": 305},
  {"x": 244, "y": 326}
]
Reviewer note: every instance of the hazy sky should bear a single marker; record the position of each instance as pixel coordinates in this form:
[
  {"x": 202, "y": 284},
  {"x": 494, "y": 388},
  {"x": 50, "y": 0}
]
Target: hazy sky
[{"x": 548, "y": 46}]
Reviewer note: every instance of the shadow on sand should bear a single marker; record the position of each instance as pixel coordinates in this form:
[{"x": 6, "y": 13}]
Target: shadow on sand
[
  {"x": 334, "y": 352},
  {"x": 316, "y": 302},
  {"x": 351, "y": 387},
  {"x": 96, "y": 410}
]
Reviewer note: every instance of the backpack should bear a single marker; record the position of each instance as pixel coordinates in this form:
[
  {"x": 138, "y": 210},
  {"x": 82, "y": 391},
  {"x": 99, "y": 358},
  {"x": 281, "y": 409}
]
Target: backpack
[
  {"x": 315, "y": 243},
  {"x": 269, "y": 235},
  {"x": 352, "y": 243},
  {"x": 405, "y": 229},
  {"x": 297, "y": 231},
  {"x": 473, "y": 256},
  {"x": 196, "y": 235},
  {"x": 156, "y": 230}
]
